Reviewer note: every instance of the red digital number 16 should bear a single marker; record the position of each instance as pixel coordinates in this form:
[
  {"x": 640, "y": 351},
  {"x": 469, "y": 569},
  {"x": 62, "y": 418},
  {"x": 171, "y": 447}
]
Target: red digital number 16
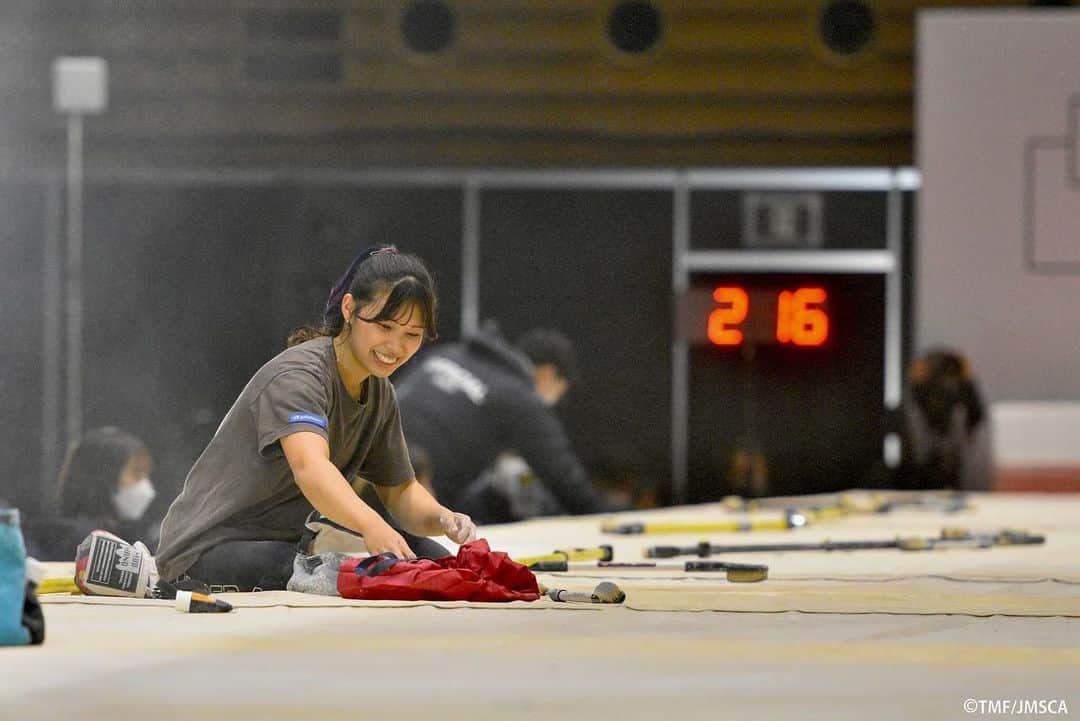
[{"x": 798, "y": 321}]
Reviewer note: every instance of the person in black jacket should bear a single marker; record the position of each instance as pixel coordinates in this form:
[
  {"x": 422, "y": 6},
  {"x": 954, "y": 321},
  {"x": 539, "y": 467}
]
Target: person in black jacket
[
  {"x": 104, "y": 484},
  {"x": 472, "y": 402}
]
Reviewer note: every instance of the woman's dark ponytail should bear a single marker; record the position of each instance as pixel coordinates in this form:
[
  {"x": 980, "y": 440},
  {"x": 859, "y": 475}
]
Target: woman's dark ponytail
[{"x": 374, "y": 270}]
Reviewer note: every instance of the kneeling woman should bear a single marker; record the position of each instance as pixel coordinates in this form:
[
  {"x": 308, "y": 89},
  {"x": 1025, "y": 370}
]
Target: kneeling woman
[{"x": 317, "y": 418}]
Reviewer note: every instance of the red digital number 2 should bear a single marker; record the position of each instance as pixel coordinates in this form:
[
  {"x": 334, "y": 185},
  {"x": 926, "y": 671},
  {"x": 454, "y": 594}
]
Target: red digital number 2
[{"x": 734, "y": 305}]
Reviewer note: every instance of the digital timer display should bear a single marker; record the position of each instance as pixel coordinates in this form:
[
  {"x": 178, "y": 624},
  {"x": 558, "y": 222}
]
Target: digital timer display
[
  {"x": 730, "y": 315},
  {"x": 785, "y": 380}
]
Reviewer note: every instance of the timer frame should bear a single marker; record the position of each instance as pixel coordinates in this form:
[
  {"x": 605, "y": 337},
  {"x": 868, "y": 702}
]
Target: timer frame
[{"x": 887, "y": 262}]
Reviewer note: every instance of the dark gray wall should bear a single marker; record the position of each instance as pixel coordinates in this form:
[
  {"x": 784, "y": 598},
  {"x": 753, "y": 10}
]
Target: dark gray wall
[
  {"x": 596, "y": 265},
  {"x": 188, "y": 289},
  {"x": 22, "y": 227}
]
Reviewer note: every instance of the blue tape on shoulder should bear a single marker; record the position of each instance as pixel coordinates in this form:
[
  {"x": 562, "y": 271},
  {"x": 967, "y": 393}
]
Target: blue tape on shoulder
[{"x": 308, "y": 418}]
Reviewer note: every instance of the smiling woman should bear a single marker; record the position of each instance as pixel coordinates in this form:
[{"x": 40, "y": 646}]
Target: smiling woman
[
  {"x": 403, "y": 279},
  {"x": 376, "y": 347},
  {"x": 393, "y": 296},
  {"x": 312, "y": 422}
]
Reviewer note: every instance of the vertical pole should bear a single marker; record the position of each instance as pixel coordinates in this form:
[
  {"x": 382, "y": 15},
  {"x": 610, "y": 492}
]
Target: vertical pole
[
  {"x": 74, "y": 276},
  {"x": 894, "y": 302},
  {"x": 470, "y": 257},
  {"x": 52, "y": 346},
  {"x": 680, "y": 353}
]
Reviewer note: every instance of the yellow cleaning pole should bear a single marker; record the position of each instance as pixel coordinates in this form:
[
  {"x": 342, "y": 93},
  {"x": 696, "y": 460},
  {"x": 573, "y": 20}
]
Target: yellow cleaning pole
[
  {"x": 793, "y": 519},
  {"x": 599, "y": 553},
  {"x": 57, "y": 585}
]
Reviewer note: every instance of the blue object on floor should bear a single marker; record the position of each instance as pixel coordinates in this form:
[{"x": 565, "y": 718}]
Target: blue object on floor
[{"x": 12, "y": 580}]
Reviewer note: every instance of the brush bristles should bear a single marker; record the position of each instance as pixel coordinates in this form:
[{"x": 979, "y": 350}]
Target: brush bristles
[
  {"x": 752, "y": 575},
  {"x": 608, "y": 592}
]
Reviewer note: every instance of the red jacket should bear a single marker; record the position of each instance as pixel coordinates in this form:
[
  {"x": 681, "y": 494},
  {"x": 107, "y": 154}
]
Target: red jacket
[{"x": 476, "y": 574}]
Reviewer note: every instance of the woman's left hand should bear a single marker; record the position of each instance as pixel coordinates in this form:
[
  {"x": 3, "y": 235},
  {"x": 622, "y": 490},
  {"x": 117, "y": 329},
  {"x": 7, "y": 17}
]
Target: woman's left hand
[{"x": 458, "y": 527}]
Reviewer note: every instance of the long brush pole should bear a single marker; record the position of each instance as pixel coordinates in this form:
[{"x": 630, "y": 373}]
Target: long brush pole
[{"x": 949, "y": 538}]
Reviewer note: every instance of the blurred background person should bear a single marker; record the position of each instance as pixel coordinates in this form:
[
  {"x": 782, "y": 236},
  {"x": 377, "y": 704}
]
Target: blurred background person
[
  {"x": 472, "y": 403},
  {"x": 620, "y": 475},
  {"x": 104, "y": 484},
  {"x": 509, "y": 491},
  {"x": 946, "y": 430}
]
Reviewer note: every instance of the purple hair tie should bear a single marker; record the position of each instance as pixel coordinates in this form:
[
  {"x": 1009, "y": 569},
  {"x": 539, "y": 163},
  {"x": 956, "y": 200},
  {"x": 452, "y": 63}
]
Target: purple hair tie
[{"x": 333, "y": 303}]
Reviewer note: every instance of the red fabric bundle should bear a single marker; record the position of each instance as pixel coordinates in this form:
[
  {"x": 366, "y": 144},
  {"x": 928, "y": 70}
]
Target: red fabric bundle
[{"x": 476, "y": 574}]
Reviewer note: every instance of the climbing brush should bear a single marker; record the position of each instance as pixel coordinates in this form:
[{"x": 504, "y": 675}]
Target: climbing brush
[
  {"x": 734, "y": 572},
  {"x": 949, "y": 538},
  {"x": 791, "y": 519}
]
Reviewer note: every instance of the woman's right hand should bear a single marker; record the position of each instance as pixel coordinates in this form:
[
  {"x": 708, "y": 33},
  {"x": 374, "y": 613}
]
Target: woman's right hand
[
  {"x": 381, "y": 538},
  {"x": 330, "y": 494}
]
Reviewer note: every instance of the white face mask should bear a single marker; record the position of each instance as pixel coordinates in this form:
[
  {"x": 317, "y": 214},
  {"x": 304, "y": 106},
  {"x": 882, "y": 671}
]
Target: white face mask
[{"x": 132, "y": 501}]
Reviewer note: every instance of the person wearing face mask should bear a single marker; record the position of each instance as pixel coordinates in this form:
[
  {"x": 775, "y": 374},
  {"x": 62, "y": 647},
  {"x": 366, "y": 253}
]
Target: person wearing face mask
[
  {"x": 468, "y": 404},
  {"x": 104, "y": 484}
]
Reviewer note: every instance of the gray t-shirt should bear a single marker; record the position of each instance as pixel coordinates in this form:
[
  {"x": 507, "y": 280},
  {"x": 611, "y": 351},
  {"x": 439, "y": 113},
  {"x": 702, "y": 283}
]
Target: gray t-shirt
[{"x": 242, "y": 489}]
